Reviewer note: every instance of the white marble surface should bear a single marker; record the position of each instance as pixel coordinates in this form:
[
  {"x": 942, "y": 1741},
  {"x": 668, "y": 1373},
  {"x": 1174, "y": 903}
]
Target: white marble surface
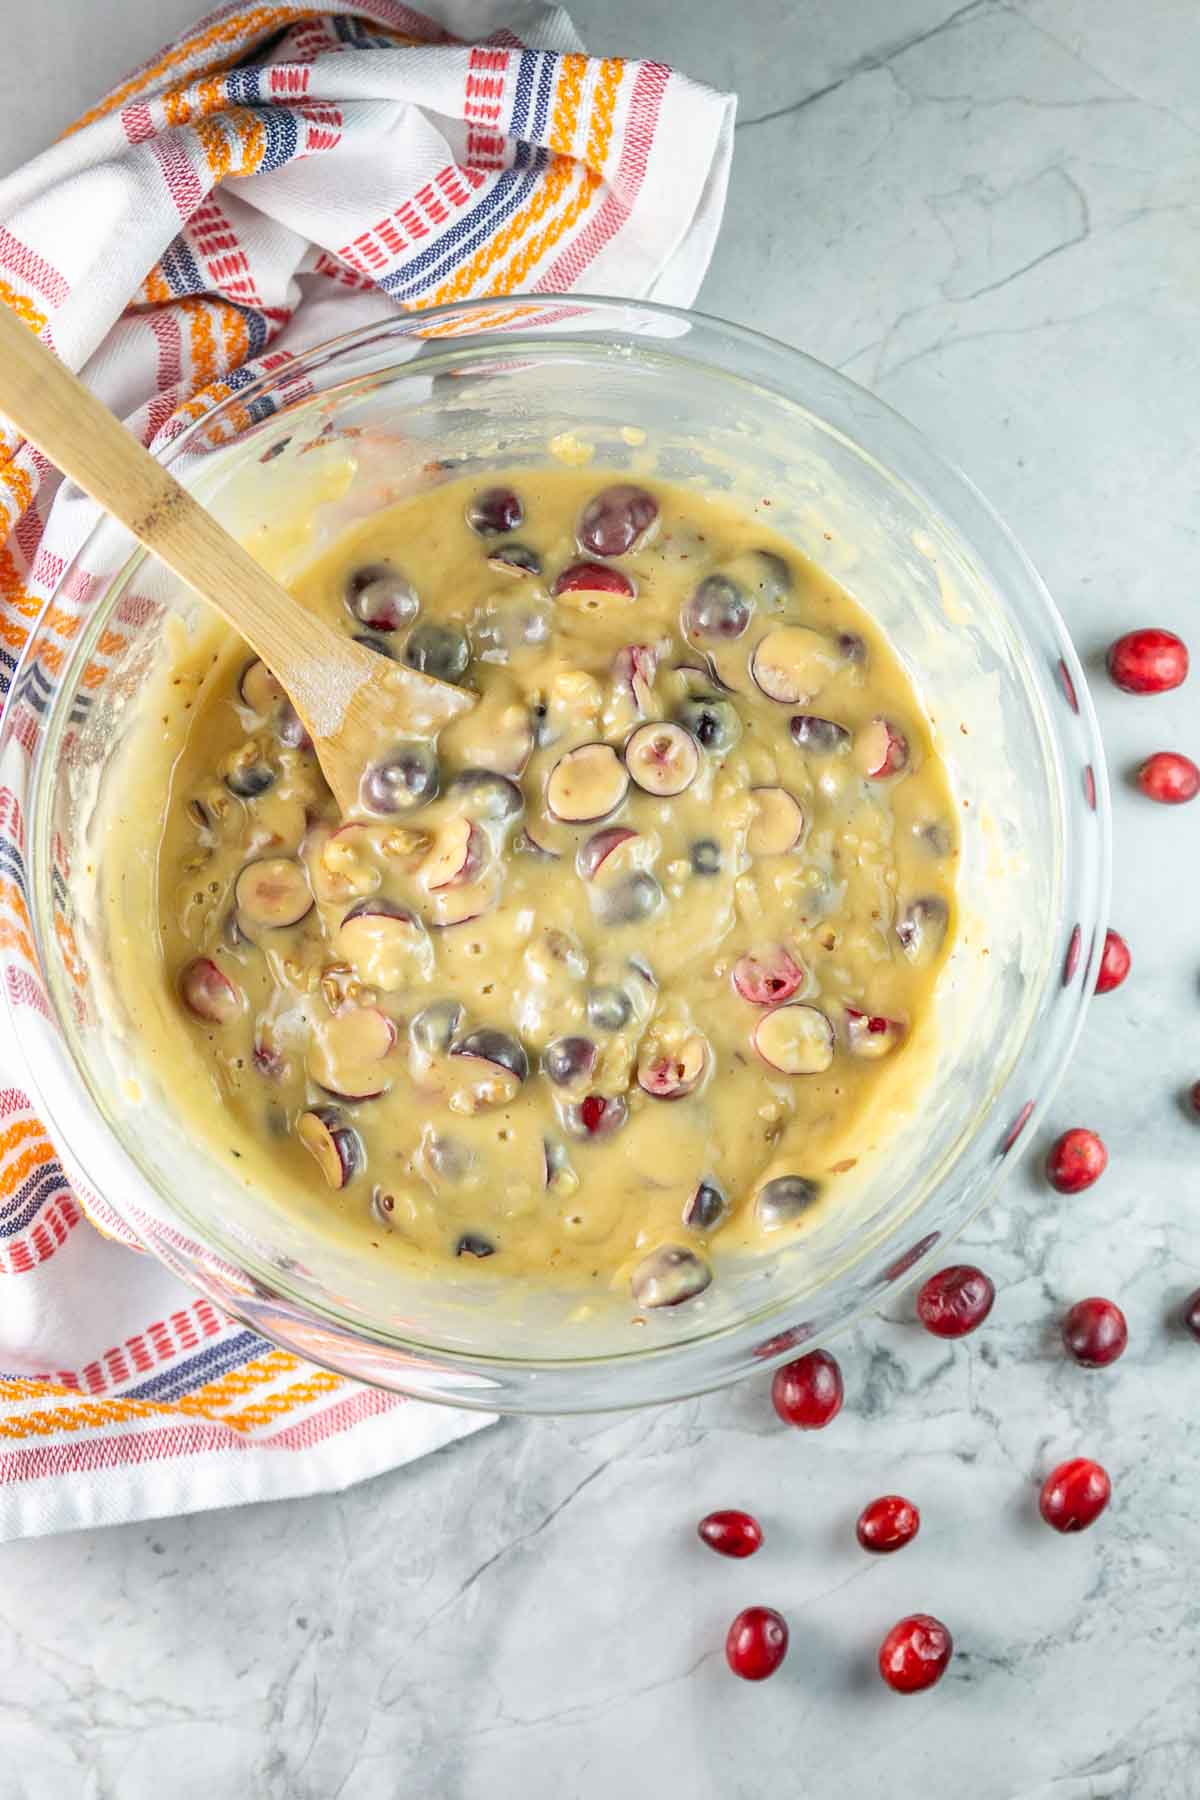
[{"x": 990, "y": 214}]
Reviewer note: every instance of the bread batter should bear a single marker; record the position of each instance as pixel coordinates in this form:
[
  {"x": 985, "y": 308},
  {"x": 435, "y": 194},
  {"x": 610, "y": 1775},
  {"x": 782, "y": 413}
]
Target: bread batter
[{"x": 606, "y": 980}]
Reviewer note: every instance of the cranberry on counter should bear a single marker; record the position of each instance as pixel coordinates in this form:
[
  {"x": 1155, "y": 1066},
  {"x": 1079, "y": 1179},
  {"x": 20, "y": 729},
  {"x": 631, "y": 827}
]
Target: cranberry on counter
[
  {"x": 731, "y": 1533},
  {"x": 808, "y": 1393},
  {"x": 1169, "y": 778},
  {"x": 955, "y": 1301},
  {"x": 1148, "y": 662},
  {"x": 1076, "y": 1160},
  {"x": 1074, "y": 1495},
  {"x": 887, "y": 1524},
  {"x": 756, "y": 1643},
  {"x": 915, "y": 1653},
  {"x": 1114, "y": 963},
  {"x": 1095, "y": 1333},
  {"x": 1191, "y": 1314}
]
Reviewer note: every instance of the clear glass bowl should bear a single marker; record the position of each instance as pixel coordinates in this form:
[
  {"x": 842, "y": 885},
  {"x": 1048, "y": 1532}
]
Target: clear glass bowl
[{"x": 862, "y": 495}]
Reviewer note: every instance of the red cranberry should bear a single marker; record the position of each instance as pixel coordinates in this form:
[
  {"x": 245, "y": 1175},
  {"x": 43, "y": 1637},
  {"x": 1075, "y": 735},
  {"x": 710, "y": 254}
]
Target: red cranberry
[
  {"x": 590, "y": 577},
  {"x": 1169, "y": 778},
  {"x": 1148, "y": 662},
  {"x": 1095, "y": 1332},
  {"x": 1114, "y": 963},
  {"x": 955, "y": 1301},
  {"x": 1194, "y": 1096},
  {"x": 598, "y": 1116},
  {"x": 1075, "y": 1494},
  {"x": 888, "y": 1524},
  {"x": 756, "y": 1643},
  {"x": 915, "y": 1653},
  {"x": 1076, "y": 1160},
  {"x": 808, "y": 1393},
  {"x": 616, "y": 519},
  {"x": 495, "y": 512},
  {"x": 731, "y": 1533},
  {"x": 1191, "y": 1314}
]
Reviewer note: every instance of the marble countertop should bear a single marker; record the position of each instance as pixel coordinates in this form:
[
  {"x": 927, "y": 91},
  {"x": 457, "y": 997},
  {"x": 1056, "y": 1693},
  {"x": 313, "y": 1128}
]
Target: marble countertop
[{"x": 990, "y": 214}]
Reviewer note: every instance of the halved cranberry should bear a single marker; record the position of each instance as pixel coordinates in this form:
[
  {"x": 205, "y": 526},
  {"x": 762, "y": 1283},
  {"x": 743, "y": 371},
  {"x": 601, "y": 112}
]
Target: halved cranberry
[
  {"x": 808, "y": 1393},
  {"x": 731, "y": 1533},
  {"x": 593, "y": 578},
  {"x": 915, "y": 1653},
  {"x": 1114, "y": 963},
  {"x": 381, "y": 597},
  {"x": 598, "y": 1116},
  {"x": 568, "y": 1059},
  {"x": 888, "y": 1524},
  {"x": 767, "y": 977},
  {"x": 1095, "y": 1332},
  {"x": 882, "y": 749},
  {"x": 955, "y": 1301},
  {"x": 1076, "y": 1160},
  {"x": 1169, "y": 778},
  {"x": 613, "y": 522},
  {"x": 208, "y": 993},
  {"x": 1148, "y": 662},
  {"x": 1075, "y": 1494},
  {"x": 719, "y": 608},
  {"x": 756, "y": 1643},
  {"x": 495, "y": 512}
]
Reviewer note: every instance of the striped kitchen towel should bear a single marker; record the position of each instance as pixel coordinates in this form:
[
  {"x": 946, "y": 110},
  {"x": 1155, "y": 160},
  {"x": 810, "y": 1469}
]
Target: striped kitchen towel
[{"x": 283, "y": 173}]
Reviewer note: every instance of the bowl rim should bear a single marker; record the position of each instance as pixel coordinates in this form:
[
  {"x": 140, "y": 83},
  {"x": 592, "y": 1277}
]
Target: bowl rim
[{"x": 270, "y": 1291}]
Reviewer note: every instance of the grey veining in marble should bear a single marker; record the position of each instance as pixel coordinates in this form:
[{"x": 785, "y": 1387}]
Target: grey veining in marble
[{"x": 989, "y": 213}]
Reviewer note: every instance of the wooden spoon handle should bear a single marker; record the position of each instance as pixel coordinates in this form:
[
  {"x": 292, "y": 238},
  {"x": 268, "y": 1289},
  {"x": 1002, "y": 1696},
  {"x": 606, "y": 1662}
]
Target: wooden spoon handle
[{"x": 53, "y": 409}]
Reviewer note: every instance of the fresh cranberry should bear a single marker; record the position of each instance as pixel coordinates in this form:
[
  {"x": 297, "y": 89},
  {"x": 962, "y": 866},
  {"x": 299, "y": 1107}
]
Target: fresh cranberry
[
  {"x": 1114, "y": 963},
  {"x": 1076, "y": 1160},
  {"x": 598, "y": 1116},
  {"x": 593, "y": 578},
  {"x": 1191, "y": 1314},
  {"x": 1075, "y": 1494},
  {"x": 1169, "y": 778},
  {"x": 731, "y": 1533},
  {"x": 756, "y": 1643},
  {"x": 1148, "y": 662},
  {"x": 1095, "y": 1332},
  {"x": 808, "y": 1393},
  {"x": 614, "y": 521},
  {"x": 955, "y": 1301},
  {"x": 888, "y": 1524},
  {"x": 495, "y": 512},
  {"x": 915, "y": 1653}
]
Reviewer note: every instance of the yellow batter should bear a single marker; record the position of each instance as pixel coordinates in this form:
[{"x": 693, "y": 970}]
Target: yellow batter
[{"x": 612, "y": 978}]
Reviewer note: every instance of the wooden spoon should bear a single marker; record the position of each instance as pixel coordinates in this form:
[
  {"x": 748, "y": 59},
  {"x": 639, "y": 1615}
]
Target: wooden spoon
[{"x": 353, "y": 702}]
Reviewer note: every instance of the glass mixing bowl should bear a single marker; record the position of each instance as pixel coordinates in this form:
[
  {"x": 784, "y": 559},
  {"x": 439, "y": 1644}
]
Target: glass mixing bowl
[{"x": 628, "y": 386}]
